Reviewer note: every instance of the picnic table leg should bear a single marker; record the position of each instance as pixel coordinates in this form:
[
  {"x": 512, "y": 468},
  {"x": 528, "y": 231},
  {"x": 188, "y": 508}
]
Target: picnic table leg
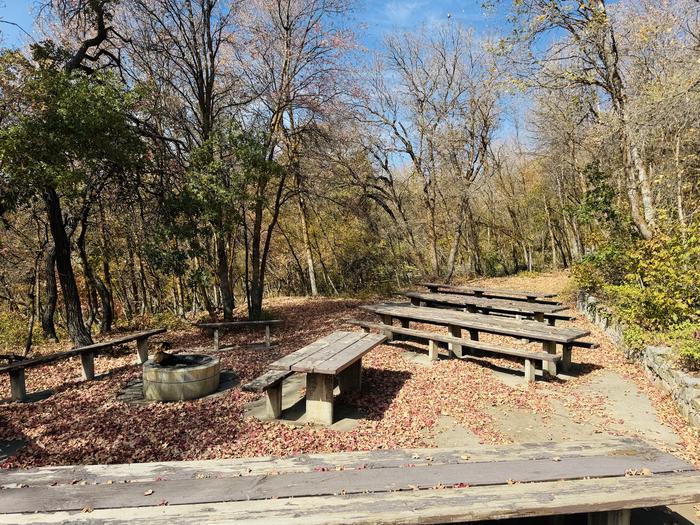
[
  {"x": 88, "y": 361},
  {"x": 273, "y": 401},
  {"x": 404, "y": 323},
  {"x": 350, "y": 379},
  {"x": 18, "y": 388},
  {"x": 539, "y": 317},
  {"x": 549, "y": 367},
  {"x": 433, "y": 350},
  {"x": 415, "y": 301},
  {"x": 529, "y": 371},
  {"x": 455, "y": 349},
  {"x": 216, "y": 339},
  {"x": 142, "y": 349},
  {"x": 566, "y": 358},
  {"x": 613, "y": 517},
  {"x": 387, "y": 320},
  {"x": 267, "y": 336},
  {"x": 319, "y": 398}
]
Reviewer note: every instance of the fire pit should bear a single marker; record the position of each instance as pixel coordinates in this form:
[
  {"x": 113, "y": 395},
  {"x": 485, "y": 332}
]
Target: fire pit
[{"x": 181, "y": 377}]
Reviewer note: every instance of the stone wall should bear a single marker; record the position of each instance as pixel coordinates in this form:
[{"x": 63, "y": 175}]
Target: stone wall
[{"x": 658, "y": 361}]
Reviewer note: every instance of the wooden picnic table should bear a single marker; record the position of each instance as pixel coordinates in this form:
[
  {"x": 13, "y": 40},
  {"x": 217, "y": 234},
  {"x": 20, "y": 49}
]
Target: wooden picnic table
[
  {"x": 338, "y": 354},
  {"x": 410, "y": 486},
  {"x": 540, "y": 312},
  {"x": 528, "y": 295},
  {"x": 455, "y": 321}
]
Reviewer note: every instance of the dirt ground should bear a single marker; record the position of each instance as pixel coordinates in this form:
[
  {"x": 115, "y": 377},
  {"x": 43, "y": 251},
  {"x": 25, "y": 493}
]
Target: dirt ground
[{"x": 406, "y": 401}]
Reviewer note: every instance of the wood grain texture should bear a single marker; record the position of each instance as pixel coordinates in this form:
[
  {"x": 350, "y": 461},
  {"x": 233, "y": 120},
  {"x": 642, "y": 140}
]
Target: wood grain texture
[
  {"x": 286, "y": 362},
  {"x": 324, "y": 483},
  {"x": 496, "y": 292},
  {"x": 266, "y": 380},
  {"x": 484, "y": 303}
]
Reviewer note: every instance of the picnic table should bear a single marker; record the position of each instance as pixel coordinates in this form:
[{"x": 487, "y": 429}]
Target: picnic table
[
  {"x": 455, "y": 321},
  {"x": 527, "y": 295},
  {"x": 338, "y": 355},
  {"x": 228, "y": 325},
  {"x": 540, "y": 312},
  {"x": 410, "y": 486}
]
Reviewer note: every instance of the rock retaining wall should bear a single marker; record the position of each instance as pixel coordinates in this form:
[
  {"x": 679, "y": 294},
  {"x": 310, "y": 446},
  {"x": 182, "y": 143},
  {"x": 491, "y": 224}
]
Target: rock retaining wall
[{"x": 657, "y": 360}]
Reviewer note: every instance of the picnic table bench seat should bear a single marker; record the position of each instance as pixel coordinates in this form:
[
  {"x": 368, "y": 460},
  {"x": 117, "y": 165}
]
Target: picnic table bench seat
[
  {"x": 270, "y": 383},
  {"x": 16, "y": 369},
  {"x": 458, "y": 345},
  {"x": 410, "y": 486},
  {"x": 227, "y": 325}
]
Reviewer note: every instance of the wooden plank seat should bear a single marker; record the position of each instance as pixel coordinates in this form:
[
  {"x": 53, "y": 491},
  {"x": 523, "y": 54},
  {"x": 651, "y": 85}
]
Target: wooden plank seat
[
  {"x": 529, "y": 357},
  {"x": 335, "y": 356},
  {"x": 16, "y": 369},
  {"x": 229, "y": 325},
  {"x": 412, "y": 486},
  {"x": 270, "y": 383}
]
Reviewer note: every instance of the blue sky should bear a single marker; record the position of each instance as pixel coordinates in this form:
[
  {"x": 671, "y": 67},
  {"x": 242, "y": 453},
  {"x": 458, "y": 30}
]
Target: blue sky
[{"x": 374, "y": 18}]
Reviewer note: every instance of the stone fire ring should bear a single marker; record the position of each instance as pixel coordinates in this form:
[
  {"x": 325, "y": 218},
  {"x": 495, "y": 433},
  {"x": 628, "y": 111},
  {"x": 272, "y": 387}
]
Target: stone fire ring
[{"x": 181, "y": 382}]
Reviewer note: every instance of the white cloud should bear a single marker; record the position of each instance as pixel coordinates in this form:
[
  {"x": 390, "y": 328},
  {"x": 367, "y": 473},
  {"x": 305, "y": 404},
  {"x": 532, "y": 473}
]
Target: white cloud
[{"x": 400, "y": 12}]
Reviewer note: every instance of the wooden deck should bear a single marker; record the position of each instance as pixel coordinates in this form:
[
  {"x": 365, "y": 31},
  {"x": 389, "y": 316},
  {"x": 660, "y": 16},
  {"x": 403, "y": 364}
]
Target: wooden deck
[{"x": 385, "y": 486}]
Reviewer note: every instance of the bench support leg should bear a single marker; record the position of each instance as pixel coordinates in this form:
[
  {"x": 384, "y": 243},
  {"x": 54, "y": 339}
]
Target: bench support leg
[
  {"x": 456, "y": 349},
  {"x": 273, "y": 401},
  {"x": 551, "y": 321},
  {"x": 387, "y": 320},
  {"x": 566, "y": 358},
  {"x": 319, "y": 399},
  {"x": 529, "y": 371},
  {"x": 18, "y": 388},
  {"x": 267, "y": 336},
  {"x": 88, "y": 361},
  {"x": 613, "y": 517},
  {"x": 216, "y": 339},
  {"x": 405, "y": 323},
  {"x": 350, "y": 379},
  {"x": 539, "y": 317},
  {"x": 415, "y": 301},
  {"x": 142, "y": 349},
  {"x": 549, "y": 367},
  {"x": 433, "y": 350}
]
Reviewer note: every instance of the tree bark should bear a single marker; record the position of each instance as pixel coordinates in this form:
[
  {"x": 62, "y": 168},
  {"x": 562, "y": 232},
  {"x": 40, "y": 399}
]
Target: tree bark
[
  {"x": 47, "y": 318},
  {"x": 223, "y": 275},
  {"x": 71, "y": 297}
]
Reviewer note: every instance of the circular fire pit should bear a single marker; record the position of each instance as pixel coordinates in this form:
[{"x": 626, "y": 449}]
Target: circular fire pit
[{"x": 181, "y": 377}]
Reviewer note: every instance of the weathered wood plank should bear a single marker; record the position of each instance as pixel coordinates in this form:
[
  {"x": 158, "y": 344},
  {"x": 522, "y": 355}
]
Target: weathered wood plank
[
  {"x": 487, "y": 292},
  {"x": 409, "y": 508},
  {"x": 266, "y": 380},
  {"x": 96, "y": 474},
  {"x": 286, "y": 362},
  {"x": 311, "y": 362},
  {"x": 326, "y": 483},
  {"x": 350, "y": 354}
]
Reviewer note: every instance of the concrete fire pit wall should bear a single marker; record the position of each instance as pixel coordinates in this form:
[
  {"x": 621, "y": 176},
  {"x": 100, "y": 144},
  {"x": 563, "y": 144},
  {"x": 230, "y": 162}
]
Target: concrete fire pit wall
[{"x": 180, "y": 383}]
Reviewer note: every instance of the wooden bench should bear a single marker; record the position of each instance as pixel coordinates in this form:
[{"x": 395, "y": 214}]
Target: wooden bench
[
  {"x": 270, "y": 383},
  {"x": 336, "y": 356},
  {"x": 227, "y": 325},
  {"x": 459, "y": 345},
  {"x": 16, "y": 369},
  {"x": 409, "y": 486},
  {"x": 507, "y": 307}
]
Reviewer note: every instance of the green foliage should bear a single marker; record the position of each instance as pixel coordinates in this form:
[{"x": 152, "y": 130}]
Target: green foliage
[
  {"x": 607, "y": 266},
  {"x": 685, "y": 338},
  {"x": 13, "y": 330},
  {"x": 636, "y": 338}
]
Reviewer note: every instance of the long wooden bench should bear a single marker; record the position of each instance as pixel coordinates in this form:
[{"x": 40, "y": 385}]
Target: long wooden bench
[
  {"x": 16, "y": 369},
  {"x": 496, "y": 293},
  {"x": 409, "y": 486},
  {"x": 457, "y": 346},
  {"x": 228, "y": 325},
  {"x": 270, "y": 383}
]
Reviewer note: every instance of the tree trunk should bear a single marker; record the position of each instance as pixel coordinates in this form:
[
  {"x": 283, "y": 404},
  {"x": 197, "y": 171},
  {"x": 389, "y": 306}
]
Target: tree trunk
[
  {"x": 307, "y": 246},
  {"x": 47, "y": 318},
  {"x": 71, "y": 297},
  {"x": 224, "y": 280}
]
